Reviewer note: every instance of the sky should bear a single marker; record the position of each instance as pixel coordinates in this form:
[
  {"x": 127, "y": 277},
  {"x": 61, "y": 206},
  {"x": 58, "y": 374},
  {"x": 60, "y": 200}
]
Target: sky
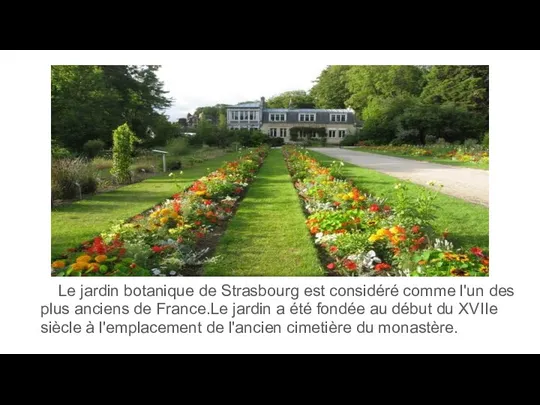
[{"x": 215, "y": 81}]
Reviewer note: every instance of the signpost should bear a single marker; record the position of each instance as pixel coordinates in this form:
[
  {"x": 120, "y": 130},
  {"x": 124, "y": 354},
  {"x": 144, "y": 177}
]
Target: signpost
[{"x": 163, "y": 153}]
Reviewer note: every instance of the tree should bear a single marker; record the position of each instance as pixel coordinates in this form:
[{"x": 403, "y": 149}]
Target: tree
[
  {"x": 89, "y": 102},
  {"x": 330, "y": 89},
  {"x": 123, "y": 143},
  {"x": 467, "y": 86},
  {"x": 368, "y": 82},
  {"x": 291, "y": 99}
]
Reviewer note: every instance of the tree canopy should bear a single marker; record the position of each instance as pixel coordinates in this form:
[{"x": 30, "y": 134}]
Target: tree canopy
[
  {"x": 88, "y": 102},
  {"x": 291, "y": 99}
]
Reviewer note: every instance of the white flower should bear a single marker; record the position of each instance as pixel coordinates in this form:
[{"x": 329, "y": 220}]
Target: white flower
[
  {"x": 171, "y": 174},
  {"x": 431, "y": 183},
  {"x": 172, "y": 273},
  {"x": 156, "y": 272}
]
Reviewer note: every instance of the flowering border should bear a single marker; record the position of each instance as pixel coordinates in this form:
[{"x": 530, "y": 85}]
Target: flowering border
[
  {"x": 360, "y": 235},
  {"x": 166, "y": 239}
]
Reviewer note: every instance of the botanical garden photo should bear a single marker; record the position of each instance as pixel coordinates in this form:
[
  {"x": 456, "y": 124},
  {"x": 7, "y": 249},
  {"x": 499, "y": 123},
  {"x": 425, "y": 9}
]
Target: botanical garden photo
[{"x": 373, "y": 171}]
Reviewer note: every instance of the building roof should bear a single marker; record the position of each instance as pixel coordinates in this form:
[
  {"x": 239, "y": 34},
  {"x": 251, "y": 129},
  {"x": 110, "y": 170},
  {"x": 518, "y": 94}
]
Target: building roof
[
  {"x": 307, "y": 110},
  {"x": 245, "y": 105}
]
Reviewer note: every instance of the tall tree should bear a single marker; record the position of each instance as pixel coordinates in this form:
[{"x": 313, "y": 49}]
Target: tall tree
[
  {"x": 368, "y": 82},
  {"x": 292, "y": 99},
  {"x": 330, "y": 89},
  {"x": 88, "y": 102},
  {"x": 466, "y": 86}
]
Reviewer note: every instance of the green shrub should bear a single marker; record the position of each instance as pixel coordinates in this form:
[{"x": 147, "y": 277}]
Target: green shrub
[
  {"x": 123, "y": 146},
  {"x": 178, "y": 146},
  {"x": 59, "y": 152},
  {"x": 485, "y": 140},
  {"x": 470, "y": 142},
  {"x": 350, "y": 140},
  {"x": 65, "y": 173},
  {"x": 275, "y": 142},
  {"x": 430, "y": 139},
  {"x": 93, "y": 148}
]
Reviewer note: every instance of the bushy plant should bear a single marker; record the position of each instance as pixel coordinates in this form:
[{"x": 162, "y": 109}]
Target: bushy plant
[
  {"x": 59, "y": 152},
  {"x": 430, "y": 139},
  {"x": 275, "y": 142},
  {"x": 485, "y": 140},
  {"x": 470, "y": 142},
  {"x": 93, "y": 148},
  {"x": 177, "y": 146},
  {"x": 66, "y": 173},
  {"x": 123, "y": 146}
]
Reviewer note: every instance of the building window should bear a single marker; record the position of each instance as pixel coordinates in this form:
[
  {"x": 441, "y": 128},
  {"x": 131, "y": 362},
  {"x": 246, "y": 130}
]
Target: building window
[
  {"x": 283, "y": 132},
  {"x": 303, "y": 117},
  {"x": 251, "y": 115},
  {"x": 342, "y": 133},
  {"x": 331, "y": 133},
  {"x": 235, "y": 115},
  {"x": 273, "y": 132},
  {"x": 338, "y": 117},
  {"x": 277, "y": 117}
]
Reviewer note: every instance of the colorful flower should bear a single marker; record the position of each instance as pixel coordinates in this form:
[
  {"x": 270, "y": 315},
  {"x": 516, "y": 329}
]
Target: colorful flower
[
  {"x": 83, "y": 259},
  {"x": 58, "y": 264},
  {"x": 331, "y": 266},
  {"x": 382, "y": 266},
  {"x": 101, "y": 258}
]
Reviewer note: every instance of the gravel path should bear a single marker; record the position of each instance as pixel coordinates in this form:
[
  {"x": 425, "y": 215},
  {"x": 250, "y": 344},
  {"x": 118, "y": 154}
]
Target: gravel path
[{"x": 469, "y": 184}]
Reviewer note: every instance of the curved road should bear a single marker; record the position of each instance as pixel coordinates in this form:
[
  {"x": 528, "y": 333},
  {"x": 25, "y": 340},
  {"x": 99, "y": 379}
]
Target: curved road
[{"x": 469, "y": 184}]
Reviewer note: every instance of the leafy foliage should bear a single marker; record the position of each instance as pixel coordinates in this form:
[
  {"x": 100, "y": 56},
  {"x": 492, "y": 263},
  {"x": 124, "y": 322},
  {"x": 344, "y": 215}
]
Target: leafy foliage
[
  {"x": 89, "y": 102},
  {"x": 123, "y": 145},
  {"x": 292, "y": 99}
]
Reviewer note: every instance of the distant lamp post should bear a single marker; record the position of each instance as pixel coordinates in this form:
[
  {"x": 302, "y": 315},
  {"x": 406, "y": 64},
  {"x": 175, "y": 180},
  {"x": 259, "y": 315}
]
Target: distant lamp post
[{"x": 163, "y": 153}]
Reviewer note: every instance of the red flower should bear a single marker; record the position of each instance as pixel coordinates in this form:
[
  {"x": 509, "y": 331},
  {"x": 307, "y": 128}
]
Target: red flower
[
  {"x": 207, "y": 202},
  {"x": 331, "y": 266},
  {"x": 352, "y": 266},
  {"x": 176, "y": 196},
  {"x": 477, "y": 251},
  {"x": 198, "y": 223},
  {"x": 238, "y": 190},
  {"x": 157, "y": 249},
  {"x": 382, "y": 266},
  {"x": 337, "y": 203},
  {"x": 334, "y": 249},
  {"x": 374, "y": 208},
  {"x": 387, "y": 208},
  {"x": 199, "y": 235},
  {"x": 416, "y": 229},
  {"x": 132, "y": 265},
  {"x": 122, "y": 252}
]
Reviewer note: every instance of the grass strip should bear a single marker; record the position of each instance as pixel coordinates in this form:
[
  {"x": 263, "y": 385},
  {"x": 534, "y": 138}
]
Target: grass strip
[
  {"x": 268, "y": 235},
  {"x": 82, "y": 220},
  {"x": 431, "y": 159},
  {"x": 467, "y": 223}
]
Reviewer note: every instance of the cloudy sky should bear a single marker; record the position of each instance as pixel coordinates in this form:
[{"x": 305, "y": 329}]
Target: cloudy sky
[{"x": 208, "y": 82}]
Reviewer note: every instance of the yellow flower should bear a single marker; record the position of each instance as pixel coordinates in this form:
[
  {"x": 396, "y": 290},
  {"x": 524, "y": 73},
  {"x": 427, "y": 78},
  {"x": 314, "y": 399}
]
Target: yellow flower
[
  {"x": 381, "y": 232},
  {"x": 200, "y": 192},
  {"x": 79, "y": 266},
  {"x": 59, "y": 264},
  {"x": 174, "y": 215},
  {"x": 83, "y": 259},
  {"x": 165, "y": 211},
  {"x": 374, "y": 238},
  {"x": 164, "y": 220},
  {"x": 101, "y": 258}
]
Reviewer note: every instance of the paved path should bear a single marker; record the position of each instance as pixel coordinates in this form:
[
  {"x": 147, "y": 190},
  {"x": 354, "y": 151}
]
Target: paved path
[{"x": 469, "y": 184}]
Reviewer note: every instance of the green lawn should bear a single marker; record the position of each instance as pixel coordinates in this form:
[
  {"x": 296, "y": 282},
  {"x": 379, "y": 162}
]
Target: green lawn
[
  {"x": 82, "y": 220},
  {"x": 467, "y": 223},
  {"x": 268, "y": 235},
  {"x": 431, "y": 159}
]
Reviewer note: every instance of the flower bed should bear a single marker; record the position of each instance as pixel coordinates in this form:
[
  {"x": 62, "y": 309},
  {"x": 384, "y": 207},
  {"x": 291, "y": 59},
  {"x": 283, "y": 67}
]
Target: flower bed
[
  {"x": 473, "y": 154},
  {"x": 166, "y": 239},
  {"x": 361, "y": 235}
]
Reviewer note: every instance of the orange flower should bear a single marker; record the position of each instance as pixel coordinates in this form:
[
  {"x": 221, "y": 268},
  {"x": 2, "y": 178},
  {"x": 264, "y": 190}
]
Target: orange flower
[
  {"x": 101, "y": 258},
  {"x": 79, "y": 266},
  {"x": 59, "y": 264},
  {"x": 83, "y": 259}
]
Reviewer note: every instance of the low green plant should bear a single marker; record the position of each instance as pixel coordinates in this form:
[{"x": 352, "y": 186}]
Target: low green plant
[
  {"x": 416, "y": 209},
  {"x": 93, "y": 148}
]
